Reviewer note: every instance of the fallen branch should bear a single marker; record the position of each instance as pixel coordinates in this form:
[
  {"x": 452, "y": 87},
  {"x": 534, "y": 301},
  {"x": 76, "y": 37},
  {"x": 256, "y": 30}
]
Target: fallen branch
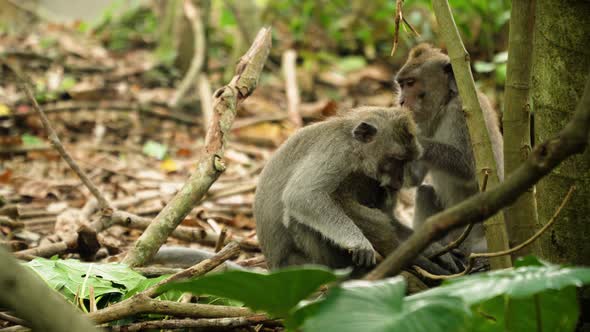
[
  {"x": 210, "y": 167},
  {"x": 54, "y": 139},
  {"x": 193, "y": 15},
  {"x": 474, "y": 256},
  {"x": 212, "y": 323},
  {"x": 154, "y": 110},
  {"x": 144, "y": 302},
  {"x": 544, "y": 158},
  {"x": 141, "y": 304},
  {"x": 229, "y": 251}
]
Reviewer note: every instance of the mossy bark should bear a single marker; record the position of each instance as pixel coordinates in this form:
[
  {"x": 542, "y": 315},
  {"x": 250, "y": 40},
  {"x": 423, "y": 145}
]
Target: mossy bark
[{"x": 561, "y": 64}]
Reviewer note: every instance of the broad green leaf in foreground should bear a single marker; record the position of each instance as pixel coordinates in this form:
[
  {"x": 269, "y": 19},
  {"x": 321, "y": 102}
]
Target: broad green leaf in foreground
[
  {"x": 553, "y": 310},
  {"x": 72, "y": 277},
  {"x": 380, "y": 306},
  {"x": 537, "y": 297},
  {"x": 520, "y": 282},
  {"x": 276, "y": 293}
]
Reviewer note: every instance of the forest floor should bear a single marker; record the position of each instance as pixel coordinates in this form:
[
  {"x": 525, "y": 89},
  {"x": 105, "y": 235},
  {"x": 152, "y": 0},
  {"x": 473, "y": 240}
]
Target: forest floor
[{"x": 111, "y": 112}]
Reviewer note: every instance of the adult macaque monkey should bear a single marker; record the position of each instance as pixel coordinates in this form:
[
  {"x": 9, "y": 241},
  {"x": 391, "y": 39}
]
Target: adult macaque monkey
[
  {"x": 308, "y": 207},
  {"x": 428, "y": 88}
]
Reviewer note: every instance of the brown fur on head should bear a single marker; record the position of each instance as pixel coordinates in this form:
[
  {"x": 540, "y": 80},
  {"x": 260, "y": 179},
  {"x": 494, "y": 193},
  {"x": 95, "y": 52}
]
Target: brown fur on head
[{"x": 426, "y": 82}]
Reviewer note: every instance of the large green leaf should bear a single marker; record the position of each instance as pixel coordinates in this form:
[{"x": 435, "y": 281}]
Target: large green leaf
[
  {"x": 72, "y": 277},
  {"x": 380, "y": 306},
  {"x": 276, "y": 293},
  {"x": 553, "y": 310},
  {"x": 521, "y": 282}
]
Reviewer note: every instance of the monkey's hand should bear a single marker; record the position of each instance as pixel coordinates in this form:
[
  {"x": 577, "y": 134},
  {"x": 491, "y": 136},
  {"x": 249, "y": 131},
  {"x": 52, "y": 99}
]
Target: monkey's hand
[{"x": 362, "y": 253}]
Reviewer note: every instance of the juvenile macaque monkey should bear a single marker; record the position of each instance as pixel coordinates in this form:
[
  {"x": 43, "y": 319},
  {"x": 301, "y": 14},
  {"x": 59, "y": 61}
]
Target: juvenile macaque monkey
[
  {"x": 315, "y": 201},
  {"x": 427, "y": 87}
]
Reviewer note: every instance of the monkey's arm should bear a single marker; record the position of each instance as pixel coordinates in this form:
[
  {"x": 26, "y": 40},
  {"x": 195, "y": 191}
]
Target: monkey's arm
[
  {"x": 414, "y": 173},
  {"x": 446, "y": 158},
  {"x": 386, "y": 234},
  {"x": 308, "y": 200}
]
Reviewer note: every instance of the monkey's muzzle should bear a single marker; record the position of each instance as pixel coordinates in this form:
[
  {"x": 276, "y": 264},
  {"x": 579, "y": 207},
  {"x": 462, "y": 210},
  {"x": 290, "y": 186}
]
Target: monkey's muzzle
[{"x": 391, "y": 173}]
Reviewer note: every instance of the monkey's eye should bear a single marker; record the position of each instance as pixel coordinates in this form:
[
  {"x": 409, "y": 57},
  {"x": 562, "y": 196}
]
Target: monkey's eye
[{"x": 409, "y": 82}]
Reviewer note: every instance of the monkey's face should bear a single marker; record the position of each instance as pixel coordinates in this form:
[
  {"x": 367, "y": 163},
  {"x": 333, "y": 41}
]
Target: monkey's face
[
  {"x": 411, "y": 95},
  {"x": 423, "y": 85},
  {"x": 385, "y": 141}
]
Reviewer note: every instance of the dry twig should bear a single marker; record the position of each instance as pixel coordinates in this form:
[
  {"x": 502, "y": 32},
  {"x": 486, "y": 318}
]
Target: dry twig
[
  {"x": 210, "y": 167},
  {"x": 474, "y": 256},
  {"x": 466, "y": 231},
  {"x": 193, "y": 14},
  {"x": 288, "y": 63},
  {"x": 399, "y": 17}
]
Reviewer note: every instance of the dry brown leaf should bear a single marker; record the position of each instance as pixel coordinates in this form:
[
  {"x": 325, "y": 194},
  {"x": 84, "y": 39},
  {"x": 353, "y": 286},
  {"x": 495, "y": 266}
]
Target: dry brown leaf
[{"x": 263, "y": 133}]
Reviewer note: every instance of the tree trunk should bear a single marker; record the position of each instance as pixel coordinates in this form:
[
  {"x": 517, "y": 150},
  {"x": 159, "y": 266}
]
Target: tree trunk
[
  {"x": 561, "y": 64},
  {"x": 521, "y": 217}
]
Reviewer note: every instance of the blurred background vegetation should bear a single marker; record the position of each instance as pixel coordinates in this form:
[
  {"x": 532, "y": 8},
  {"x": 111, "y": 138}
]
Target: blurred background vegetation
[{"x": 345, "y": 34}]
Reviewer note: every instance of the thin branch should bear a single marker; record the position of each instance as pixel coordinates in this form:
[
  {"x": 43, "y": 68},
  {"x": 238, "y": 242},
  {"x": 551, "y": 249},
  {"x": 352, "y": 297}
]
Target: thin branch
[
  {"x": 193, "y": 14},
  {"x": 174, "y": 324},
  {"x": 54, "y": 139},
  {"x": 229, "y": 251},
  {"x": 212, "y": 165},
  {"x": 205, "y": 94},
  {"x": 157, "y": 110},
  {"x": 466, "y": 231},
  {"x": 221, "y": 239},
  {"x": 495, "y": 228},
  {"x": 12, "y": 319},
  {"x": 474, "y": 256},
  {"x": 544, "y": 158},
  {"x": 399, "y": 18},
  {"x": 289, "y": 65},
  {"x": 143, "y": 302}
]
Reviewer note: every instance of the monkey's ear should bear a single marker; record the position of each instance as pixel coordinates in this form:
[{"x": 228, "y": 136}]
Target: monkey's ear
[
  {"x": 364, "y": 132},
  {"x": 452, "y": 83}
]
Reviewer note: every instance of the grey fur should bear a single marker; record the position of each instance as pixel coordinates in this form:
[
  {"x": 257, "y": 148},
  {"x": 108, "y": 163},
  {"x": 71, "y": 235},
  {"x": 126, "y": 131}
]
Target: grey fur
[
  {"x": 325, "y": 197},
  {"x": 428, "y": 88}
]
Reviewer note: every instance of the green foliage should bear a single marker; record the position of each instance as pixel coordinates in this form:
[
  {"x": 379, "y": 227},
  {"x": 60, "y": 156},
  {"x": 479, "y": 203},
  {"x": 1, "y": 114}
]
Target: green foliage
[
  {"x": 30, "y": 140},
  {"x": 155, "y": 149},
  {"x": 533, "y": 296},
  {"x": 517, "y": 299},
  {"x": 276, "y": 293},
  {"x": 380, "y": 306},
  {"x": 137, "y": 25},
  {"x": 73, "y": 278},
  {"x": 362, "y": 25},
  {"x": 497, "y": 67}
]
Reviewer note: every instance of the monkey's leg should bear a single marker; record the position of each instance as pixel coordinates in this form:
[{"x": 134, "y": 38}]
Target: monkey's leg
[
  {"x": 385, "y": 234},
  {"x": 313, "y": 248},
  {"x": 427, "y": 204}
]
